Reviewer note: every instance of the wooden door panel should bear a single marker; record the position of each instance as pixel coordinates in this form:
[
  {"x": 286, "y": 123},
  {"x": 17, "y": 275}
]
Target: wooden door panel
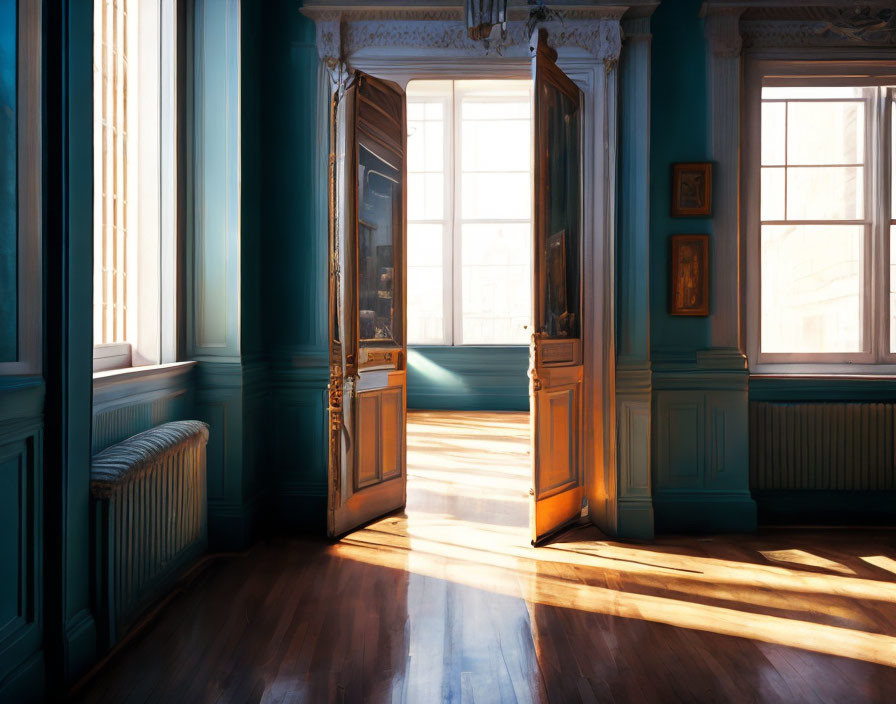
[
  {"x": 392, "y": 434},
  {"x": 558, "y": 441},
  {"x": 556, "y": 354},
  {"x": 367, "y": 421}
]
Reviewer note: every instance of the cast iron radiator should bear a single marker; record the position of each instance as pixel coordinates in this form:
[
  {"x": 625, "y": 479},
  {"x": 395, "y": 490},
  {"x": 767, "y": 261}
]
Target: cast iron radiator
[
  {"x": 819, "y": 446},
  {"x": 149, "y": 509}
]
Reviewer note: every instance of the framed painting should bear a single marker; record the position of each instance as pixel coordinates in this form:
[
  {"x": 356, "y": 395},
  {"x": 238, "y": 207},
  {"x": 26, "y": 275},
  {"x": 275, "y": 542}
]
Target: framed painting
[
  {"x": 691, "y": 190},
  {"x": 689, "y": 275}
]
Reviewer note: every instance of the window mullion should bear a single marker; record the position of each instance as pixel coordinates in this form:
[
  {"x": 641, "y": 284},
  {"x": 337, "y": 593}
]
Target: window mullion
[
  {"x": 885, "y": 215},
  {"x": 876, "y": 198},
  {"x": 457, "y": 206},
  {"x": 870, "y": 175}
]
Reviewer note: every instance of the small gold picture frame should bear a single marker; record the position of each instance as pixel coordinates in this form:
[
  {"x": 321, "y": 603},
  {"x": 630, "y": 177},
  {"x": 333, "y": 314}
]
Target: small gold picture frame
[
  {"x": 691, "y": 190},
  {"x": 689, "y": 275}
]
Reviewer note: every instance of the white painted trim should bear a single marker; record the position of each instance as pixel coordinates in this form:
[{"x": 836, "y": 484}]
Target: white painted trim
[
  {"x": 105, "y": 379},
  {"x": 168, "y": 288},
  {"x": 28, "y": 149},
  {"x": 724, "y": 83},
  {"x": 112, "y": 355}
]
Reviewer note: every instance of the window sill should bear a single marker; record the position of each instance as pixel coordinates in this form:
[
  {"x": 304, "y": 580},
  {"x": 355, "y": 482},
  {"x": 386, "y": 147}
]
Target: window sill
[
  {"x": 822, "y": 387},
  {"x": 113, "y": 377},
  {"x": 824, "y": 371}
]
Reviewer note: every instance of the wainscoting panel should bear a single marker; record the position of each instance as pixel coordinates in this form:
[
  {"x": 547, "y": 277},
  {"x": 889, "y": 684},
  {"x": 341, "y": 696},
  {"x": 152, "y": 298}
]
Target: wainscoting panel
[
  {"x": 222, "y": 389},
  {"x": 701, "y": 469},
  {"x": 680, "y": 450},
  {"x": 823, "y": 446},
  {"x": 21, "y": 558},
  {"x": 299, "y": 419}
]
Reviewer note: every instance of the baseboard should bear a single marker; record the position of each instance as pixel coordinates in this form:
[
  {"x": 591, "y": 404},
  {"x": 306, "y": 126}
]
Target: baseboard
[
  {"x": 709, "y": 512},
  {"x": 25, "y": 683},
  {"x": 830, "y": 507},
  {"x": 298, "y": 513},
  {"x": 80, "y": 645},
  {"x": 634, "y": 520},
  {"x": 231, "y": 527}
]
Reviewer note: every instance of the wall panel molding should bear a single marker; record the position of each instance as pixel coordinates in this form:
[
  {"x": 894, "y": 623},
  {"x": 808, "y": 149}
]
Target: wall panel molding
[
  {"x": 701, "y": 466},
  {"x": 21, "y": 549},
  {"x": 213, "y": 289}
]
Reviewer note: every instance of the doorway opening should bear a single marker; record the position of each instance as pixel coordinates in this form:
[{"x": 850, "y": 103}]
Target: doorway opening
[
  {"x": 469, "y": 279},
  {"x": 497, "y": 242}
]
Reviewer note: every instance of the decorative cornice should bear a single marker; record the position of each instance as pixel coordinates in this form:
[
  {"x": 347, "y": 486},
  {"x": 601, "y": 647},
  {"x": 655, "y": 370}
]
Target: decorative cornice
[
  {"x": 811, "y": 23},
  {"x": 722, "y": 31},
  {"x": 766, "y": 33},
  {"x": 636, "y": 28},
  {"x": 342, "y": 34}
]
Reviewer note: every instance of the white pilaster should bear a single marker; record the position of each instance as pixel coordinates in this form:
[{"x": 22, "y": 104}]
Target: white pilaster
[{"x": 724, "y": 82}]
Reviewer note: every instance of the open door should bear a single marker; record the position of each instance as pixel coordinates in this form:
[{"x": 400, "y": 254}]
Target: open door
[
  {"x": 368, "y": 353},
  {"x": 555, "y": 368}
]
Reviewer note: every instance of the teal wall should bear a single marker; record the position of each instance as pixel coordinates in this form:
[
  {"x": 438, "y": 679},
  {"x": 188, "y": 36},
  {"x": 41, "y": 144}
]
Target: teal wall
[
  {"x": 294, "y": 255},
  {"x": 468, "y": 378},
  {"x": 678, "y": 132}
]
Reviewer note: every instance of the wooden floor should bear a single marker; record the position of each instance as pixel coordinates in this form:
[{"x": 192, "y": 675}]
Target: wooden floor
[{"x": 450, "y": 603}]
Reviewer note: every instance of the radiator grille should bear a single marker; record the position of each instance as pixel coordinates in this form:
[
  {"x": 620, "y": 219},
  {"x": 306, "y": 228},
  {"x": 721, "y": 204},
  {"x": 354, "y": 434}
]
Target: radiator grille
[
  {"x": 150, "y": 511},
  {"x": 846, "y": 446}
]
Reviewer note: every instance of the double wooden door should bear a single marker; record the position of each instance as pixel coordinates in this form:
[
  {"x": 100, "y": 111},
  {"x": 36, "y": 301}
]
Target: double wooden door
[{"x": 368, "y": 345}]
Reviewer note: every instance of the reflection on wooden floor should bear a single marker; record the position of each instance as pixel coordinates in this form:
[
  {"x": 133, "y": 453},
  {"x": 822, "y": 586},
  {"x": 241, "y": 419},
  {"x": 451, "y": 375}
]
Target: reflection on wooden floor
[{"x": 448, "y": 602}]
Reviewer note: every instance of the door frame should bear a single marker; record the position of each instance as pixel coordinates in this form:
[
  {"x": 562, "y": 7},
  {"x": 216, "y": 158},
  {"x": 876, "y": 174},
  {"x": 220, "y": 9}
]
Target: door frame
[{"x": 347, "y": 39}]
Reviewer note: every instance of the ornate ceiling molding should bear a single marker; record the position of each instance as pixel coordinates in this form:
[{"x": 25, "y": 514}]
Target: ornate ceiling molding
[
  {"x": 342, "y": 33},
  {"x": 808, "y": 23}
]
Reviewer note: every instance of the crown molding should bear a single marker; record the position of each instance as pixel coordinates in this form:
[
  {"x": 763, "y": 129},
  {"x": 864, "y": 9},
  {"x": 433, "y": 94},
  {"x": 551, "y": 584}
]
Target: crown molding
[
  {"x": 589, "y": 29},
  {"x": 767, "y": 24}
]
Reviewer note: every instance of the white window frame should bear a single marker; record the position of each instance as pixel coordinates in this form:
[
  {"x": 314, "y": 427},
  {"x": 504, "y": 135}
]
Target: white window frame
[
  {"x": 154, "y": 342},
  {"x": 876, "y": 358},
  {"x": 452, "y": 219}
]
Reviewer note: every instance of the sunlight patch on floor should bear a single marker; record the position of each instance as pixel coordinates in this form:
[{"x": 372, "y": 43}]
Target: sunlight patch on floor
[{"x": 467, "y": 522}]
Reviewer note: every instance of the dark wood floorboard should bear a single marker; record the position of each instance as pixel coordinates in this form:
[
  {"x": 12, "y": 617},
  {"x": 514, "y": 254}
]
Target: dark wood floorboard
[{"x": 447, "y": 602}]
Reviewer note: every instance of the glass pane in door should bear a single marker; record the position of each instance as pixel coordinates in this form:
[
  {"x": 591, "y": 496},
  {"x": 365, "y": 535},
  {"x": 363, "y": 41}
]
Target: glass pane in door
[
  {"x": 561, "y": 241},
  {"x": 379, "y": 224}
]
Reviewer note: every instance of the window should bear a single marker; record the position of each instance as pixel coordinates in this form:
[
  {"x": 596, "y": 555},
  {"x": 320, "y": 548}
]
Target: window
[
  {"x": 134, "y": 221},
  {"x": 469, "y": 212},
  {"x": 825, "y": 222}
]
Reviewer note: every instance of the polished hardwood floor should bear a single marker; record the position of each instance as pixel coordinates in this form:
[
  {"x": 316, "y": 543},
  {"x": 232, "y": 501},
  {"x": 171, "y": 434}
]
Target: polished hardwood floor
[{"x": 448, "y": 602}]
